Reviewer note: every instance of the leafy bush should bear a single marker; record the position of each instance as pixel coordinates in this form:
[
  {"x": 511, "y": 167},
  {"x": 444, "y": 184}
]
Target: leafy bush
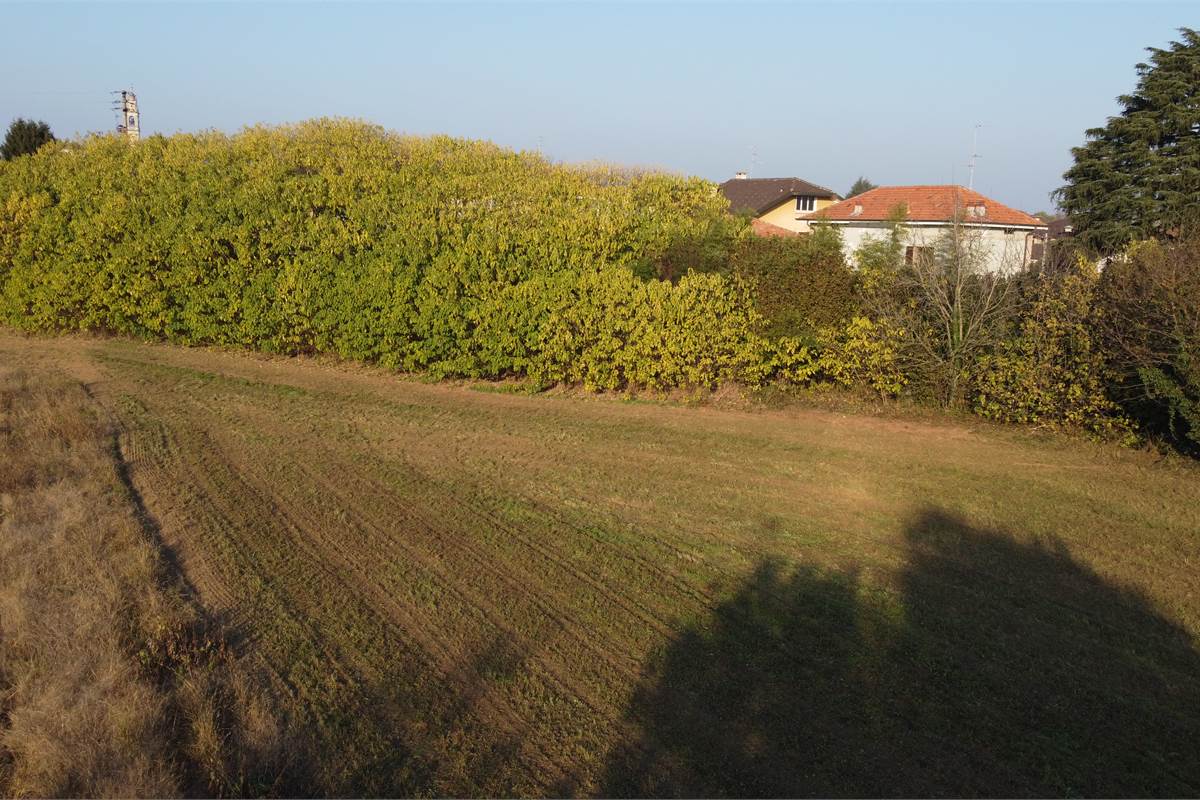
[
  {"x": 788, "y": 360},
  {"x": 437, "y": 254},
  {"x": 801, "y": 284},
  {"x": 1052, "y": 372},
  {"x": 708, "y": 248},
  {"x": 609, "y": 330},
  {"x": 860, "y": 354},
  {"x": 863, "y": 353},
  {"x": 1150, "y": 331}
]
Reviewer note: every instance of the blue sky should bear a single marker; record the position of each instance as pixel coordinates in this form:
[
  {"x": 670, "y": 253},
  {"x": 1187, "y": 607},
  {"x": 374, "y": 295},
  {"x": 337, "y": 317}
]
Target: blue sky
[{"x": 825, "y": 90}]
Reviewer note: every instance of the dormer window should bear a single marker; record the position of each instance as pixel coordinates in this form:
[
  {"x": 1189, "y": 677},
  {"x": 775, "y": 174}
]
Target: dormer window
[
  {"x": 806, "y": 202},
  {"x": 976, "y": 210}
]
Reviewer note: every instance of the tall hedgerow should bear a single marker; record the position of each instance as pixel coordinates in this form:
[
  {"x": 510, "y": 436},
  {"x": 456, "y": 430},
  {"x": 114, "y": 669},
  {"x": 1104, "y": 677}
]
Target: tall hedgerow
[
  {"x": 1150, "y": 334},
  {"x": 1052, "y": 372},
  {"x": 336, "y": 236},
  {"x": 613, "y": 331},
  {"x": 801, "y": 284}
]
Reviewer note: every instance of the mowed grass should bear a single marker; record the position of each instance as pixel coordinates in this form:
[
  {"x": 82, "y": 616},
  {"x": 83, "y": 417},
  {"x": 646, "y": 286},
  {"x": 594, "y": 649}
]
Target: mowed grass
[{"x": 447, "y": 591}]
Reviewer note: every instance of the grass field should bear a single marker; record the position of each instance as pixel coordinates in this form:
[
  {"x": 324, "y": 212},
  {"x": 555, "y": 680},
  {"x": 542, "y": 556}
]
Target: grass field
[{"x": 450, "y": 591}]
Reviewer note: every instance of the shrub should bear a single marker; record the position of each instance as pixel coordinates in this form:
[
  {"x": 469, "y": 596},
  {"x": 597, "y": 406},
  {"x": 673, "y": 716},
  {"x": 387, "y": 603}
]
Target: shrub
[
  {"x": 1150, "y": 331},
  {"x": 1052, "y": 372},
  {"x": 863, "y": 353},
  {"x": 860, "y": 354},
  {"x": 801, "y": 284},
  {"x": 609, "y": 330},
  {"x": 710, "y": 248},
  {"x": 788, "y": 360}
]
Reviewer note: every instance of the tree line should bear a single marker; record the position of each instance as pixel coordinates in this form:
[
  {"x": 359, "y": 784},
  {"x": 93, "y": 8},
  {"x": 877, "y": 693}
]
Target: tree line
[{"x": 460, "y": 258}]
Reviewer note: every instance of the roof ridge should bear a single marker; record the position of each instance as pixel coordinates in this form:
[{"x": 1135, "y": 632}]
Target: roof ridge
[
  {"x": 921, "y": 186},
  {"x": 927, "y": 203},
  {"x": 817, "y": 186}
]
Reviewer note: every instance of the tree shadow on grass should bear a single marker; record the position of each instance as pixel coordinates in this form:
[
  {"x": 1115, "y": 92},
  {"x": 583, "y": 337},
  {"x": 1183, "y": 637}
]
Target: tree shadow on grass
[{"x": 998, "y": 668}]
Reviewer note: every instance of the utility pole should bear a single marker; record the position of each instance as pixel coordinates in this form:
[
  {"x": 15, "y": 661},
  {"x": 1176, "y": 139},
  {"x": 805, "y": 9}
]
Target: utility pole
[
  {"x": 130, "y": 124},
  {"x": 974, "y": 155}
]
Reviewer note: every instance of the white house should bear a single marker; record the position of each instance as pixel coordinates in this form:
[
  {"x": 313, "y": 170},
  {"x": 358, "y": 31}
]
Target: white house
[{"x": 1005, "y": 235}]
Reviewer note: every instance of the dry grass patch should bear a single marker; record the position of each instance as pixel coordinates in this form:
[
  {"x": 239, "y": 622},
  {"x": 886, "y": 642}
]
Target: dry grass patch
[{"x": 109, "y": 684}]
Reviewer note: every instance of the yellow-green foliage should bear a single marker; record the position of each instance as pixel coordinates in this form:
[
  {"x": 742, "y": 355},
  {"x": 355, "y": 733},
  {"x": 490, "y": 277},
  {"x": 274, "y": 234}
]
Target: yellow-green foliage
[
  {"x": 1052, "y": 372},
  {"x": 439, "y": 254},
  {"x": 609, "y": 329},
  {"x": 862, "y": 353},
  {"x": 859, "y": 354},
  {"x": 789, "y": 360}
]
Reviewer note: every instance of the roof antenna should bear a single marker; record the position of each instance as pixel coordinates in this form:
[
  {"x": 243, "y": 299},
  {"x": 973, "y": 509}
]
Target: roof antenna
[
  {"x": 974, "y": 155},
  {"x": 753, "y": 159}
]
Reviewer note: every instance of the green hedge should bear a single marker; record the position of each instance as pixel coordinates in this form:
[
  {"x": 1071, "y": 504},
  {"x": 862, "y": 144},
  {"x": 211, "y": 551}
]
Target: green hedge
[
  {"x": 802, "y": 284},
  {"x": 1051, "y": 371},
  {"x": 457, "y": 257}
]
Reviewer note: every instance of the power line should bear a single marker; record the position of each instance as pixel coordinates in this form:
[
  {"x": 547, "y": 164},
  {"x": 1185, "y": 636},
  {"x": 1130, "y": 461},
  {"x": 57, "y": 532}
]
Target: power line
[{"x": 55, "y": 91}]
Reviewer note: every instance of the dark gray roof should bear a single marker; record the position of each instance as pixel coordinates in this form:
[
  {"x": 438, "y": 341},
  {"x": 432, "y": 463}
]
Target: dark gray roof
[
  {"x": 757, "y": 195},
  {"x": 1060, "y": 228}
]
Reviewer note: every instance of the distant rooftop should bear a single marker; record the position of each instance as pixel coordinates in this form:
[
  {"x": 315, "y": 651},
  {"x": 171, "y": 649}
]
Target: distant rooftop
[
  {"x": 757, "y": 195},
  {"x": 927, "y": 204}
]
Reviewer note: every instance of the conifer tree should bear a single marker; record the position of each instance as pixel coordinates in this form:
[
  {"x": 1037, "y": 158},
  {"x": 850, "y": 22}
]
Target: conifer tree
[
  {"x": 1139, "y": 175},
  {"x": 24, "y": 137},
  {"x": 861, "y": 185}
]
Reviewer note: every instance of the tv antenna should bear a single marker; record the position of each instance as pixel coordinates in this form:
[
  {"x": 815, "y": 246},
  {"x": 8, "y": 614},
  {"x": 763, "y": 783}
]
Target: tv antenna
[{"x": 974, "y": 155}]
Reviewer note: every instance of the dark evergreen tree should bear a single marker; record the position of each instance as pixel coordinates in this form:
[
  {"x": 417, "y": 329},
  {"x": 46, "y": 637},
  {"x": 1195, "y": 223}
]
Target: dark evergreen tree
[
  {"x": 1139, "y": 175},
  {"x": 861, "y": 185},
  {"x": 24, "y": 137}
]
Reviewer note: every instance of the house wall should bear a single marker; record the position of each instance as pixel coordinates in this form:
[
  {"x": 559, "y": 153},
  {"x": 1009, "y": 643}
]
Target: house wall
[
  {"x": 784, "y": 214},
  {"x": 1005, "y": 251}
]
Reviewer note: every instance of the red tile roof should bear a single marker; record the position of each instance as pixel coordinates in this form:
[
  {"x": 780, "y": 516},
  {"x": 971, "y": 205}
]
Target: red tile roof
[
  {"x": 764, "y": 228},
  {"x": 927, "y": 204}
]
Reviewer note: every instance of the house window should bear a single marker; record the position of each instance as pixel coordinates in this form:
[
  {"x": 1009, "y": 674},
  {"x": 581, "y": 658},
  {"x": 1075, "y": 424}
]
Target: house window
[
  {"x": 916, "y": 255},
  {"x": 806, "y": 203}
]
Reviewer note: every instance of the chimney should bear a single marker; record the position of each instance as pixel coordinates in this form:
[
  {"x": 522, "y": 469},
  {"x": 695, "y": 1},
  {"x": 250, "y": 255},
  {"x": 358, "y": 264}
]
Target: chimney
[{"x": 739, "y": 176}]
